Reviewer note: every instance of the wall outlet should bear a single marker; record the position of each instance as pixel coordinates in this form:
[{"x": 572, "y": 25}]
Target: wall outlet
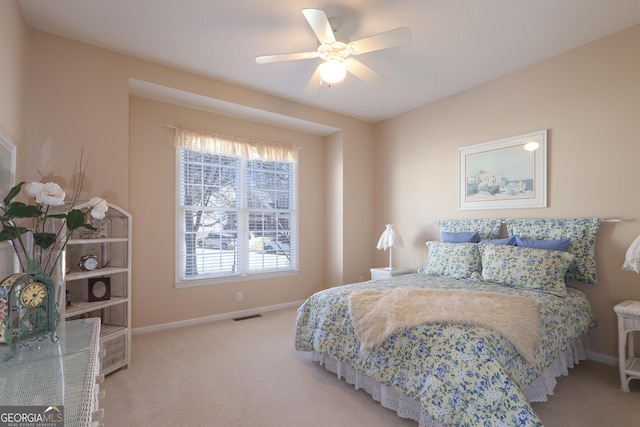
[{"x": 239, "y": 296}]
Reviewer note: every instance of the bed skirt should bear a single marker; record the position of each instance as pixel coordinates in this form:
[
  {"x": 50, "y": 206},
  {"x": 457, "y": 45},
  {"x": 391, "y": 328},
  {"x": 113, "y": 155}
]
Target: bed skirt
[{"x": 406, "y": 407}]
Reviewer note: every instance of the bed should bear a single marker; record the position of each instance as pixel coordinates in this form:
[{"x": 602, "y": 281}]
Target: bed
[{"x": 479, "y": 332}]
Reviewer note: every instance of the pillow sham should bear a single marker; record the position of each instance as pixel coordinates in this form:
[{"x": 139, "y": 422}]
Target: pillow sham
[
  {"x": 520, "y": 267},
  {"x": 582, "y": 231},
  {"x": 460, "y": 237},
  {"x": 511, "y": 240},
  {"x": 456, "y": 260},
  {"x": 555, "y": 245},
  {"x": 486, "y": 228}
]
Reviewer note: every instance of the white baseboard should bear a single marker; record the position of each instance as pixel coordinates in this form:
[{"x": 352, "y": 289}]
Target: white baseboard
[
  {"x": 602, "y": 358},
  {"x": 215, "y": 317}
]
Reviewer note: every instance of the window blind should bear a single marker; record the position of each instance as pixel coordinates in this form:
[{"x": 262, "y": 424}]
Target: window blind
[{"x": 236, "y": 216}]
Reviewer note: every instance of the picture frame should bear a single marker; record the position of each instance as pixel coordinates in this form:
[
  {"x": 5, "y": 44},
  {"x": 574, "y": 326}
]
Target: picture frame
[
  {"x": 503, "y": 174},
  {"x": 99, "y": 289}
]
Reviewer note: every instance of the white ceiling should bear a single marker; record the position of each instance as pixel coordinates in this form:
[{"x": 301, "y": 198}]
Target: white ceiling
[{"x": 457, "y": 44}]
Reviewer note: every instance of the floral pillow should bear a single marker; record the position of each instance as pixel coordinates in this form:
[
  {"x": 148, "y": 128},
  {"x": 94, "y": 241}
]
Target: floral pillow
[
  {"x": 456, "y": 260},
  {"x": 526, "y": 268},
  {"x": 583, "y": 233},
  {"x": 486, "y": 228}
]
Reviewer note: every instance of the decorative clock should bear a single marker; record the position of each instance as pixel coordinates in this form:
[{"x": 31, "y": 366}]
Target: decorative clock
[
  {"x": 31, "y": 312},
  {"x": 88, "y": 262}
]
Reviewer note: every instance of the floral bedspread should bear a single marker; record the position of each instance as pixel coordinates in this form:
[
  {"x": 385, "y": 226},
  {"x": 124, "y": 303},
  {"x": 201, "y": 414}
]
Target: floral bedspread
[{"x": 462, "y": 374}]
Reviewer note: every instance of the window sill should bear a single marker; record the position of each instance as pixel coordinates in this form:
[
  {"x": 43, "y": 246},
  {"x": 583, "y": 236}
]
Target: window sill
[{"x": 233, "y": 279}]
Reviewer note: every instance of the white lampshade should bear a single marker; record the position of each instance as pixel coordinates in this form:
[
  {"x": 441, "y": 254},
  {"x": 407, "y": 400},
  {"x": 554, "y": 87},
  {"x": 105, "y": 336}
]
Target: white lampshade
[
  {"x": 632, "y": 258},
  {"x": 333, "y": 71},
  {"x": 390, "y": 239}
]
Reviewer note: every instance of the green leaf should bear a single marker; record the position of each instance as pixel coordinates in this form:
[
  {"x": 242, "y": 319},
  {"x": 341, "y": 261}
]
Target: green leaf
[
  {"x": 12, "y": 232},
  {"x": 13, "y": 193},
  {"x": 5, "y": 236},
  {"x": 90, "y": 227},
  {"x": 58, "y": 216},
  {"x": 75, "y": 219},
  {"x": 20, "y": 210},
  {"x": 44, "y": 240}
]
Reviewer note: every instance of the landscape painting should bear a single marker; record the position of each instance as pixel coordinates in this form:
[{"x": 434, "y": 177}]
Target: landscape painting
[{"x": 508, "y": 173}]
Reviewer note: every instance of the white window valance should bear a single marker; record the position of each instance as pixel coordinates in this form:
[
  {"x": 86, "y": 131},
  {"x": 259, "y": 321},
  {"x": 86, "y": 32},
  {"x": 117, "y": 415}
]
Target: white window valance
[{"x": 250, "y": 149}]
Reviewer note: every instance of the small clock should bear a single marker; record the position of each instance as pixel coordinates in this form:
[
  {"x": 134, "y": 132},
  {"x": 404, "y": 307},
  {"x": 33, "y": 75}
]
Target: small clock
[
  {"x": 99, "y": 289},
  {"x": 33, "y": 294},
  {"x": 88, "y": 262}
]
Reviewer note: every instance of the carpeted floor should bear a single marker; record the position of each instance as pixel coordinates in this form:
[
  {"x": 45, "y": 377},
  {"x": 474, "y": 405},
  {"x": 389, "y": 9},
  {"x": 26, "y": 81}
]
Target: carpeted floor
[{"x": 247, "y": 373}]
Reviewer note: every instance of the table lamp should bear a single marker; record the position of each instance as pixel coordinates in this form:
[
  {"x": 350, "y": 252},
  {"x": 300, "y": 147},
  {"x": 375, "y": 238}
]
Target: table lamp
[{"x": 390, "y": 238}]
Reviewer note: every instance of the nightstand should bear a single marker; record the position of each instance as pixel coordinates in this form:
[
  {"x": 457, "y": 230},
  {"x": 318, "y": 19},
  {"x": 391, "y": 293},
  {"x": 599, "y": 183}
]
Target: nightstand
[
  {"x": 384, "y": 273},
  {"x": 628, "y": 322}
]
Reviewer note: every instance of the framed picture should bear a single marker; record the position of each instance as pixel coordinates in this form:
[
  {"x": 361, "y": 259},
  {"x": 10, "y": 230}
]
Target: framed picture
[{"x": 509, "y": 173}]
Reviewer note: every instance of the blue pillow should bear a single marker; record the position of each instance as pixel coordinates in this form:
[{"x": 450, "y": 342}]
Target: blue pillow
[
  {"x": 511, "y": 241},
  {"x": 460, "y": 237},
  {"x": 555, "y": 245}
]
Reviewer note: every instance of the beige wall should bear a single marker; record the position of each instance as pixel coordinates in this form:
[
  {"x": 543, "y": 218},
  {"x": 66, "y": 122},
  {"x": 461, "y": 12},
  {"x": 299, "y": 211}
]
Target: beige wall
[
  {"x": 79, "y": 98},
  {"x": 154, "y": 176},
  {"x": 78, "y": 102},
  {"x": 13, "y": 83},
  {"x": 588, "y": 99},
  {"x": 13, "y": 70}
]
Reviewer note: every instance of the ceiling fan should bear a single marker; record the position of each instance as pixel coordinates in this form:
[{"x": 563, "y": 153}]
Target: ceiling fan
[{"x": 337, "y": 52}]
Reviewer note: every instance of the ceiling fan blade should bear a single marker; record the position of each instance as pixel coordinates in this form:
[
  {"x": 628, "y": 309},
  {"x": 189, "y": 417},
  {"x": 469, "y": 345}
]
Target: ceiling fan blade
[
  {"x": 320, "y": 25},
  {"x": 363, "y": 72},
  {"x": 266, "y": 59},
  {"x": 314, "y": 83},
  {"x": 398, "y": 37}
]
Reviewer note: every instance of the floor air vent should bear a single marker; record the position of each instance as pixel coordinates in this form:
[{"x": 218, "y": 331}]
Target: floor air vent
[{"x": 247, "y": 317}]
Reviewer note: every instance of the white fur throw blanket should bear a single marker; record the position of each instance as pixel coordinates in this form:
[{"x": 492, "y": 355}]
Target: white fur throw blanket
[{"x": 377, "y": 314}]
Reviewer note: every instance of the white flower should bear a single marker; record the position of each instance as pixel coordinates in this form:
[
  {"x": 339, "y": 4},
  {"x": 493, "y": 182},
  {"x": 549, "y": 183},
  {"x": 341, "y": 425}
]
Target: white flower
[
  {"x": 34, "y": 188},
  {"x": 98, "y": 206},
  {"x": 49, "y": 194}
]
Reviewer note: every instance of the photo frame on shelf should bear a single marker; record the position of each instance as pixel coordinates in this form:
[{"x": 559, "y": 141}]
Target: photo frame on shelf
[
  {"x": 99, "y": 289},
  {"x": 508, "y": 173}
]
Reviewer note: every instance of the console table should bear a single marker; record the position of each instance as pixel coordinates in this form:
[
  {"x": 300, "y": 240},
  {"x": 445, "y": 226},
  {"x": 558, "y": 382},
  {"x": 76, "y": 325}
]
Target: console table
[{"x": 63, "y": 374}]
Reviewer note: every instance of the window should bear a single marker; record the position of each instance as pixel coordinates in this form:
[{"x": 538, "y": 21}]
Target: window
[{"x": 236, "y": 216}]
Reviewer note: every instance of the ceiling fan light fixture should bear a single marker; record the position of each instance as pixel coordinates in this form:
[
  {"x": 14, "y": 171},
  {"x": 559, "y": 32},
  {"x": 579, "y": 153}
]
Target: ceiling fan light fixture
[{"x": 333, "y": 71}]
